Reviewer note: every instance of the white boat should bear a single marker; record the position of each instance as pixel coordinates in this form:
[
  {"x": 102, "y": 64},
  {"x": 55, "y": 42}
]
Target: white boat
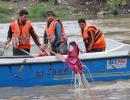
[{"x": 112, "y": 64}]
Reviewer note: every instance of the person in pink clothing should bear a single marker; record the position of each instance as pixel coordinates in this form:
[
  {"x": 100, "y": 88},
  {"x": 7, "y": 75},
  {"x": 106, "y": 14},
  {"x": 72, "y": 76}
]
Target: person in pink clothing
[{"x": 75, "y": 64}]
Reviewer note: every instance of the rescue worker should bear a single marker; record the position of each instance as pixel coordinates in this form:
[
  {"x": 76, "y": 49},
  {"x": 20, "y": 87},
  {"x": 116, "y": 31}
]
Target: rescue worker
[
  {"x": 93, "y": 38},
  {"x": 19, "y": 32},
  {"x": 54, "y": 34}
]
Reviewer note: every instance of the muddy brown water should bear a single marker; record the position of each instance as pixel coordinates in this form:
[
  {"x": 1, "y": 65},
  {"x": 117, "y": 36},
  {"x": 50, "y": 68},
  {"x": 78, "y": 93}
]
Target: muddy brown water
[{"x": 116, "y": 28}]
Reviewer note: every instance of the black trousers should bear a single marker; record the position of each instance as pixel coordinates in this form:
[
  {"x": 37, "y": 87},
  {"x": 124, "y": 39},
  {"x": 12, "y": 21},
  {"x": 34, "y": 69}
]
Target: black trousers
[
  {"x": 61, "y": 48},
  {"x": 18, "y": 52}
]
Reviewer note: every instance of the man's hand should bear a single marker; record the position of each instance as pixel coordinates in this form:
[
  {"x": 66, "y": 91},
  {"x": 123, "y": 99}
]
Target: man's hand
[
  {"x": 43, "y": 47},
  {"x": 6, "y": 43},
  {"x": 60, "y": 57}
]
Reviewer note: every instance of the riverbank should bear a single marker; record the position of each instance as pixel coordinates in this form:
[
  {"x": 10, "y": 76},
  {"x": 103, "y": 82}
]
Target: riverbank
[{"x": 9, "y": 11}]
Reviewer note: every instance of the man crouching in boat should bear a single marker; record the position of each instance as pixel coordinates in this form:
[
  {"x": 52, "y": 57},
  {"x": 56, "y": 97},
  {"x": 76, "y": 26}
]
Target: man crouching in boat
[
  {"x": 19, "y": 32},
  {"x": 93, "y": 38},
  {"x": 73, "y": 61}
]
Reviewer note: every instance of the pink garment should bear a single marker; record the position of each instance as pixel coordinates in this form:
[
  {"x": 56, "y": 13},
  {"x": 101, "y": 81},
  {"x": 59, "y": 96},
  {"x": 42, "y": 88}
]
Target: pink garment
[
  {"x": 42, "y": 53},
  {"x": 73, "y": 60}
]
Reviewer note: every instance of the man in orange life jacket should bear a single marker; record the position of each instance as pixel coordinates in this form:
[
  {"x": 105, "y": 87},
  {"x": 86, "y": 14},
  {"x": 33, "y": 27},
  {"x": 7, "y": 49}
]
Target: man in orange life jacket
[
  {"x": 55, "y": 34},
  {"x": 93, "y": 38},
  {"x": 19, "y": 32}
]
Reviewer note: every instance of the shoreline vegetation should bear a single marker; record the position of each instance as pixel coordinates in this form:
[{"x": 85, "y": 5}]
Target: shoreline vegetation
[{"x": 9, "y": 10}]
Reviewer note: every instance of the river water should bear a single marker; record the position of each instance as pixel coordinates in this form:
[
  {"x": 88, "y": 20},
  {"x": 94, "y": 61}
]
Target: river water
[{"x": 116, "y": 28}]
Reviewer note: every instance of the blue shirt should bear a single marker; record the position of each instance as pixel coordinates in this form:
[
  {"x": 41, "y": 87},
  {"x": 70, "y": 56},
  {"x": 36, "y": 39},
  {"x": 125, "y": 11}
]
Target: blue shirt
[{"x": 58, "y": 35}]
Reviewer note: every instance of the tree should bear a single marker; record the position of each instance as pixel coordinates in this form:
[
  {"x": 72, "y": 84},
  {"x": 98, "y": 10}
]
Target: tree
[{"x": 55, "y": 2}]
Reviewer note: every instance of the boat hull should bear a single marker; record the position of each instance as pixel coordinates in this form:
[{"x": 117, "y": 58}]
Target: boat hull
[{"x": 39, "y": 72}]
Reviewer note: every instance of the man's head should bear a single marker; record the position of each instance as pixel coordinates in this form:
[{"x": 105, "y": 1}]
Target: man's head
[
  {"x": 50, "y": 16},
  {"x": 82, "y": 23},
  {"x": 23, "y": 16}
]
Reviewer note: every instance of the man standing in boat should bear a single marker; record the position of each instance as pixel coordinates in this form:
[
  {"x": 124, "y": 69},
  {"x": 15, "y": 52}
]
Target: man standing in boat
[
  {"x": 19, "y": 32},
  {"x": 93, "y": 38},
  {"x": 54, "y": 34}
]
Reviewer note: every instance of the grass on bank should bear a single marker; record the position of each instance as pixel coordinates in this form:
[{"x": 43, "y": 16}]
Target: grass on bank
[
  {"x": 6, "y": 12},
  {"x": 37, "y": 11}
]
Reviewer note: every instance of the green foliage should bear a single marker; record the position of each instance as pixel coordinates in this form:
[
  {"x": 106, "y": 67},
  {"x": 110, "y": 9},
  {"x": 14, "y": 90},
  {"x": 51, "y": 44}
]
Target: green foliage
[
  {"x": 6, "y": 11},
  {"x": 39, "y": 10},
  {"x": 64, "y": 12},
  {"x": 4, "y": 0},
  {"x": 117, "y": 2},
  {"x": 36, "y": 11},
  {"x": 113, "y": 4},
  {"x": 114, "y": 12}
]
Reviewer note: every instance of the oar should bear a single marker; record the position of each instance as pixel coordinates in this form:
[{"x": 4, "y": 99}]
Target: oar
[
  {"x": 22, "y": 50},
  {"x": 58, "y": 56},
  {"x": 24, "y": 61},
  {"x": 53, "y": 52},
  {"x": 18, "y": 48}
]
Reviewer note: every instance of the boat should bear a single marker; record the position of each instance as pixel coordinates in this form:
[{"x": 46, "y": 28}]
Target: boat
[{"x": 113, "y": 64}]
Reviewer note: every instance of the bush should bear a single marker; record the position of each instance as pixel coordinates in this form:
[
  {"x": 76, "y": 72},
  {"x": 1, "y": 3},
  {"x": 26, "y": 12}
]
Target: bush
[
  {"x": 38, "y": 11},
  {"x": 115, "y": 12},
  {"x": 6, "y": 11}
]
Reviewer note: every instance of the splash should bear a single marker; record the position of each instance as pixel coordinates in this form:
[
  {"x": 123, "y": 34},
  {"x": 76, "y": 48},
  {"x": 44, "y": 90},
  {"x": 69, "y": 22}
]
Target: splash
[{"x": 120, "y": 84}]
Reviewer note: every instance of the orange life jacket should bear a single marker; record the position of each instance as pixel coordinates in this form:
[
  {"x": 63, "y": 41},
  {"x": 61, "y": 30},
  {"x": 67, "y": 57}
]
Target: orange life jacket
[
  {"x": 21, "y": 35},
  {"x": 98, "y": 41},
  {"x": 50, "y": 31}
]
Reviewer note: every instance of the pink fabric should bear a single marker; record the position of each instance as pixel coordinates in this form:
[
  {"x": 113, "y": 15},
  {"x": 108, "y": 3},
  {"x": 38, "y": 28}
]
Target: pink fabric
[
  {"x": 73, "y": 60},
  {"x": 42, "y": 53}
]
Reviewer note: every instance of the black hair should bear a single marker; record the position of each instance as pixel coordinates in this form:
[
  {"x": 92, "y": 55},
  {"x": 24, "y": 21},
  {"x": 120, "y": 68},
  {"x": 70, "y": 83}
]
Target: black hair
[
  {"x": 81, "y": 20},
  {"x": 50, "y": 13},
  {"x": 23, "y": 12}
]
